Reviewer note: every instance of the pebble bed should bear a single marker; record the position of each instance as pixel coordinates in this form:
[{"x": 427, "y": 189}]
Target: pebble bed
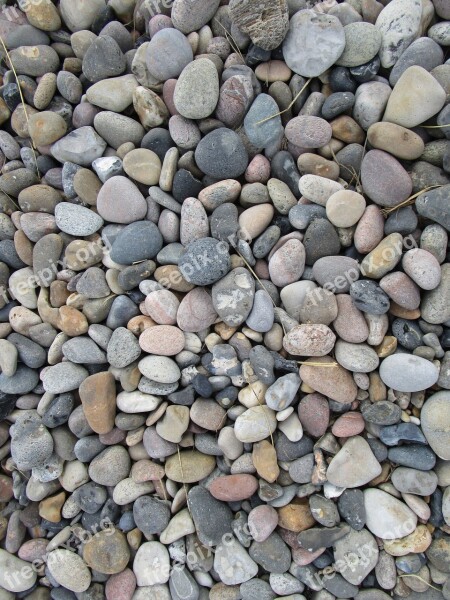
[{"x": 225, "y": 300}]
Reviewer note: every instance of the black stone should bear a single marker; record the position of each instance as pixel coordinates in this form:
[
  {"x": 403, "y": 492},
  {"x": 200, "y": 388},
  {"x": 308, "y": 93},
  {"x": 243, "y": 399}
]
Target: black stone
[
  {"x": 184, "y": 397},
  {"x": 415, "y": 456},
  {"x": 403, "y": 220},
  {"x": 436, "y": 517},
  {"x": 224, "y": 223},
  {"x": 369, "y": 297},
  {"x": 404, "y": 432},
  {"x": 122, "y": 310},
  {"x": 340, "y": 80},
  {"x": 351, "y": 508},
  {"x": 273, "y": 555},
  {"x": 321, "y": 239},
  {"x": 11, "y": 96},
  {"x": 201, "y": 385},
  {"x": 284, "y": 168},
  {"x": 434, "y": 205},
  {"x": 367, "y": 71},
  {"x": 288, "y": 451},
  {"x": 130, "y": 277},
  {"x": 411, "y": 563},
  {"x": 337, "y": 104},
  {"x": 301, "y": 215},
  {"x": 159, "y": 141},
  {"x": 340, "y": 587},
  {"x": 7, "y": 404},
  {"x": 211, "y": 517},
  {"x": 59, "y": 410},
  {"x": 383, "y": 412},
  {"x": 408, "y": 333},
  {"x": 349, "y": 159},
  {"x": 185, "y": 186},
  {"x": 317, "y": 537},
  {"x": 222, "y": 154},
  {"x": 283, "y": 223},
  {"x": 103, "y": 17},
  {"x": 8, "y": 255},
  {"x": 256, "y": 55},
  {"x": 266, "y": 241},
  {"x": 263, "y": 364}
]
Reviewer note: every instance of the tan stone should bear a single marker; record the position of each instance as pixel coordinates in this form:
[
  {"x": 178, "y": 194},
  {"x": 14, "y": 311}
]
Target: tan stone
[
  {"x": 143, "y": 165},
  {"x": 384, "y": 257},
  {"x": 387, "y": 347},
  {"x": 347, "y": 130},
  {"x": 170, "y": 277},
  {"x": 107, "y": 552},
  {"x": 274, "y": 70},
  {"x": 189, "y": 466},
  {"x": 87, "y": 185},
  {"x": 416, "y": 542},
  {"x": 43, "y": 15},
  {"x": 327, "y": 377},
  {"x": 50, "y": 508},
  {"x": 98, "y": 396},
  {"x": 296, "y": 517},
  {"x": 264, "y": 457},
  {"x": 395, "y": 139},
  {"x": 72, "y": 322}
]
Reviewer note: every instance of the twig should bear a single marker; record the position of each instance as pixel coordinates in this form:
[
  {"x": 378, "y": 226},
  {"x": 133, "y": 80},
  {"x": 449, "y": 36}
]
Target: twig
[
  {"x": 289, "y": 107},
  {"x": 410, "y": 200}
]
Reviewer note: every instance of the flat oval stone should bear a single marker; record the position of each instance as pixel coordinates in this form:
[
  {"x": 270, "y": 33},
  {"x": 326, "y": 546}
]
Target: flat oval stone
[
  {"x": 164, "y": 340},
  {"x": 413, "y": 481},
  {"x": 189, "y": 466},
  {"x": 359, "y": 358},
  {"x": 138, "y": 241},
  {"x": 345, "y": 208},
  {"x": 309, "y": 31},
  {"x": 308, "y": 131},
  {"x": 197, "y": 90},
  {"x": 336, "y": 273},
  {"x": 160, "y": 369},
  {"x": 81, "y": 146},
  {"x": 396, "y": 185},
  {"x": 288, "y": 263},
  {"x": 399, "y": 141},
  {"x": 309, "y": 340},
  {"x": 262, "y": 315},
  {"x": 232, "y": 488},
  {"x": 77, "y": 220},
  {"x": 408, "y": 373}
]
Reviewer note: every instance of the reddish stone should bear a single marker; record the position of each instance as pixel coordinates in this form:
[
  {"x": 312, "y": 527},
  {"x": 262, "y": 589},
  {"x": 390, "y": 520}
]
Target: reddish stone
[
  {"x": 232, "y": 488},
  {"x": 314, "y": 414}
]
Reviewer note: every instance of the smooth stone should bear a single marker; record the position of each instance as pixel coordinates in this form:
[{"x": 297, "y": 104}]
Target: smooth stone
[
  {"x": 399, "y": 141},
  {"x": 309, "y": 340},
  {"x": 197, "y": 90},
  {"x": 382, "y": 412},
  {"x": 193, "y": 15},
  {"x": 368, "y": 297},
  {"x": 334, "y": 381},
  {"x": 110, "y": 467},
  {"x": 63, "y": 377},
  {"x": 435, "y": 304},
  {"x": 362, "y": 42},
  {"x": 345, "y": 208},
  {"x": 151, "y": 565},
  {"x": 164, "y": 340},
  {"x": 138, "y": 241},
  {"x": 233, "y": 564},
  {"x": 408, "y": 373},
  {"x": 432, "y": 205},
  {"x": 416, "y": 97},
  {"x": 196, "y": 311},
  {"x": 352, "y": 509},
  {"x": 189, "y": 466},
  {"x": 354, "y": 465},
  {"x": 308, "y": 132},
  {"x": 307, "y": 32},
  {"x": 288, "y": 263},
  {"x": 255, "y": 424},
  {"x": 413, "y": 481},
  {"x": 211, "y": 517},
  {"x": 282, "y": 393},
  {"x": 387, "y": 517},
  {"x": 221, "y": 154},
  {"x": 107, "y": 552},
  {"x": 335, "y": 273},
  {"x": 233, "y": 295},
  {"x": 103, "y": 59},
  {"x": 361, "y": 566},
  {"x": 160, "y": 369},
  {"x": 262, "y": 135},
  {"x": 423, "y": 52},
  {"x": 77, "y": 220},
  {"x": 74, "y": 575},
  {"x": 399, "y": 25},
  {"x": 205, "y": 261},
  {"x": 13, "y": 576},
  {"x": 164, "y": 65},
  {"x": 261, "y": 317},
  {"x": 396, "y": 185},
  {"x": 151, "y": 515},
  {"x": 359, "y": 358},
  {"x": 434, "y": 420},
  {"x": 413, "y": 455}
]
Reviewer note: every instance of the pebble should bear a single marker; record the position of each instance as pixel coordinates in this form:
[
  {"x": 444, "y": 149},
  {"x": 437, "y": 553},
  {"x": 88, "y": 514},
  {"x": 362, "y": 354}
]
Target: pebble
[
  {"x": 307, "y": 32},
  {"x": 398, "y": 26},
  {"x": 334, "y": 381},
  {"x": 225, "y": 145},
  {"x": 345, "y": 472},
  {"x": 82, "y": 146},
  {"x": 309, "y": 340},
  {"x": 163, "y": 65},
  {"x": 387, "y": 517},
  {"x": 408, "y": 373},
  {"x": 396, "y": 185},
  {"x": 205, "y": 261},
  {"x": 433, "y": 421},
  {"x": 263, "y": 134},
  {"x": 69, "y": 570}
]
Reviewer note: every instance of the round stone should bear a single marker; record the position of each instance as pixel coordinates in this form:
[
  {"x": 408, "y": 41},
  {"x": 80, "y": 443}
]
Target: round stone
[
  {"x": 309, "y": 340},
  {"x": 107, "y": 552},
  {"x": 387, "y": 517},
  {"x": 408, "y": 373},
  {"x": 69, "y": 570},
  {"x": 396, "y": 185},
  {"x": 143, "y": 166},
  {"x": 362, "y": 42},
  {"x": 164, "y": 340},
  {"x": 189, "y": 466},
  {"x": 345, "y": 208},
  {"x": 205, "y": 261},
  {"x": 313, "y": 43},
  {"x": 308, "y": 132},
  {"x": 221, "y": 154},
  {"x": 168, "y": 53}
]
